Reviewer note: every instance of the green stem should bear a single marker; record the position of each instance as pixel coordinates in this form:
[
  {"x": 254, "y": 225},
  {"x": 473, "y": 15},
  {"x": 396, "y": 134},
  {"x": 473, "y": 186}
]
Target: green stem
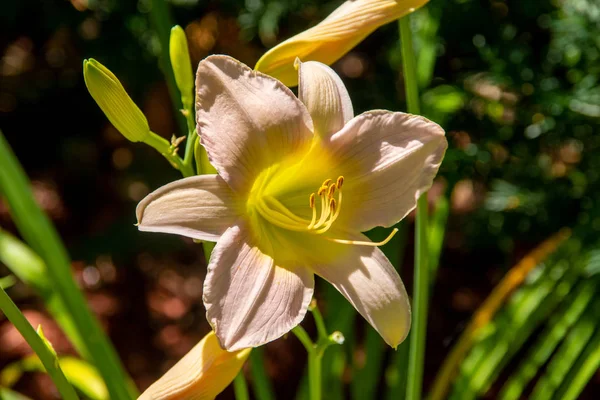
[
  {"x": 37, "y": 344},
  {"x": 37, "y": 230},
  {"x": 262, "y": 386},
  {"x": 316, "y": 350},
  {"x": 190, "y": 144},
  {"x": 160, "y": 18},
  {"x": 319, "y": 322},
  {"x": 304, "y": 338},
  {"x": 314, "y": 374},
  {"x": 240, "y": 387},
  {"x": 421, "y": 270},
  {"x": 165, "y": 148}
]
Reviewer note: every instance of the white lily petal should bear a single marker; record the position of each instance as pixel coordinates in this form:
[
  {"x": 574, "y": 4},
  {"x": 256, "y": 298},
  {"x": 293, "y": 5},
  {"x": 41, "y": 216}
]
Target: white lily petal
[
  {"x": 246, "y": 120},
  {"x": 203, "y": 373},
  {"x": 249, "y": 299},
  {"x": 389, "y": 159},
  {"x": 325, "y": 96},
  {"x": 200, "y": 207},
  {"x": 371, "y": 284}
]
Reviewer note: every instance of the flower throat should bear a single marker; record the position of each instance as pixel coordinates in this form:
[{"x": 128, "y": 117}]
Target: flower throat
[{"x": 325, "y": 202}]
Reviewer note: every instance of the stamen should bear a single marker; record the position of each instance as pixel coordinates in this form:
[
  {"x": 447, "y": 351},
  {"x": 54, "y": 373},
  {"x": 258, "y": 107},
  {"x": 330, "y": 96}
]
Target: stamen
[
  {"x": 276, "y": 204},
  {"x": 331, "y": 191},
  {"x": 339, "y": 182},
  {"x": 325, "y": 209},
  {"x": 279, "y": 219},
  {"x": 327, "y": 182},
  {"x": 321, "y": 190},
  {"x": 365, "y": 243},
  {"x": 314, "y": 211}
]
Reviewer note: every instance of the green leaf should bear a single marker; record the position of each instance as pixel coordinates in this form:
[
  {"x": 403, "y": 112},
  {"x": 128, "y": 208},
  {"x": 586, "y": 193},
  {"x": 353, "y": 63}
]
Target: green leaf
[
  {"x": 79, "y": 373},
  {"x": 586, "y": 366},
  {"x": 7, "y": 281},
  {"x": 39, "y": 345},
  {"x": 37, "y": 230},
  {"x": 7, "y": 394},
  {"x": 527, "y": 309},
  {"x": 558, "y": 326},
  {"x": 567, "y": 354}
]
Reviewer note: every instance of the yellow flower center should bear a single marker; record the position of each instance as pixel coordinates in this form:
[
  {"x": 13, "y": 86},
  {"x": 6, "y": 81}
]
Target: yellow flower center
[{"x": 325, "y": 203}]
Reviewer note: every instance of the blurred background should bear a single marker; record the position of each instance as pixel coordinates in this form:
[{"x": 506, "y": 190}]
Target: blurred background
[{"x": 514, "y": 84}]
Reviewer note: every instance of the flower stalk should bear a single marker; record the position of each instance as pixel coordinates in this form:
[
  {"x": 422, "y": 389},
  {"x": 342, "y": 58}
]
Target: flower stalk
[
  {"x": 184, "y": 78},
  {"x": 316, "y": 350},
  {"x": 421, "y": 268}
]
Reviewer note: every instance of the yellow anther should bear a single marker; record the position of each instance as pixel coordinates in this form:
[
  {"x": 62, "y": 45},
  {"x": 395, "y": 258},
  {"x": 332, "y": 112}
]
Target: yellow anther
[
  {"x": 327, "y": 182},
  {"x": 331, "y": 191},
  {"x": 340, "y": 182},
  {"x": 322, "y": 190},
  {"x": 311, "y": 200},
  {"x": 332, "y": 205}
]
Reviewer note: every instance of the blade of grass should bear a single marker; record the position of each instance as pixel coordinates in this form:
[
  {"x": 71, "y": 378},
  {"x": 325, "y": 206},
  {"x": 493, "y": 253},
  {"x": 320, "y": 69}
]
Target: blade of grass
[
  {"x": 38, "y": 345},
  {"x": 567, "y": 354},
  {"x": 7, "y": 394},
  {"x": 80, "y": 374},
  {"x": 7, "y": 281},
  {"x": 37, "y": 230},
  {"x": 482, "y": 317},
  {"x": 30, "y": 269},
  {"x": 553, "y": 334},
  {"x": 526, "y": 310},
  {"x": 580, "y": 374}
]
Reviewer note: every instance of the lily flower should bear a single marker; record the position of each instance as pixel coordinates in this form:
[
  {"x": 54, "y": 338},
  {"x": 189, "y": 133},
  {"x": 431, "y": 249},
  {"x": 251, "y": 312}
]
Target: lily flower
[
  {"x": 298, "y": 180},
  {"x": 201, "y": 374},
  {"x": 328, "y": 41}
]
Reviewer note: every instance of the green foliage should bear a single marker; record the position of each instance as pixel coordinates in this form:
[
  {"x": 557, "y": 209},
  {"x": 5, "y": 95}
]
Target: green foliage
[
  {"x": 80, "y": 374},
  {"x": 549, "y": 326}
]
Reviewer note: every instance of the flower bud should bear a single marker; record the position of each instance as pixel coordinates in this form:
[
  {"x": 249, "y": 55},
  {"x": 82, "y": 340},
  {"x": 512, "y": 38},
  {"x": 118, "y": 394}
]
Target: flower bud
[
  {"x": 182, "y": 65},
  {"x": 333, "y": 37},
  {"x": 114, "y": 101},
  {"x": 201, "y": 374}
]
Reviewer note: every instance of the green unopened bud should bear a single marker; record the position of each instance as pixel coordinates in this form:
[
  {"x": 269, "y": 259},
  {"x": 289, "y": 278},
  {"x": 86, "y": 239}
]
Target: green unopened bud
[
  {"x": 182, "y": 65},
  {"x": 114, "y": 101}
]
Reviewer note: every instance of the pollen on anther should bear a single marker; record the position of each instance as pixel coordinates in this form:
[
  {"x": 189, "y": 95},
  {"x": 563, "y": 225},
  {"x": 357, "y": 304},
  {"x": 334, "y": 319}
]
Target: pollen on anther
[
  {"x": 332, "y": 205},
  {"x": 331, "y": 191},
  {"x": 321, "y": 190},
  {"x": 340, "y": 182},
  {"x": 327, "y": 182},
  {"x": 311, "y": 200}
]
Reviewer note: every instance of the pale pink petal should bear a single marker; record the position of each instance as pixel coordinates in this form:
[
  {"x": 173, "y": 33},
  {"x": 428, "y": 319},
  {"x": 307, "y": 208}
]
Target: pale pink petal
[
  {"x": 388, "y": 160},
  {"x": 249, "y": 299},
  {"x": 369, "y": 281},
  {"x": 325, "y": 96},
  {"x": 246, "y": 120},
  {"x": 200, "y": 207}
]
